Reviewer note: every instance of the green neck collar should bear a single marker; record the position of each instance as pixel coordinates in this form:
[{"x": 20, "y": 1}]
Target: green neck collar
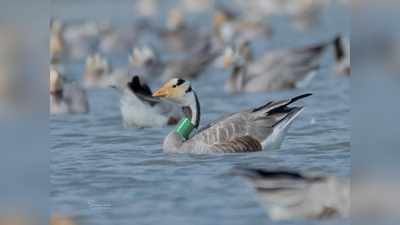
[{"x": 184, "y": 128}]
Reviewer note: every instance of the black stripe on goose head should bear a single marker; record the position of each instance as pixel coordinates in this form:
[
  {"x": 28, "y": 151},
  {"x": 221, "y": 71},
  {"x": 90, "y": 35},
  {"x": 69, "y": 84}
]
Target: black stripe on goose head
[
  {"x": 138, "y": 88},
  {"x": 180, "y": 81}
]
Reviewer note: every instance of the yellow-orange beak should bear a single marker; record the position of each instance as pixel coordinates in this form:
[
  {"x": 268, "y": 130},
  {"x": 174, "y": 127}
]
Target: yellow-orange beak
[{"x": 162, "y": 92}]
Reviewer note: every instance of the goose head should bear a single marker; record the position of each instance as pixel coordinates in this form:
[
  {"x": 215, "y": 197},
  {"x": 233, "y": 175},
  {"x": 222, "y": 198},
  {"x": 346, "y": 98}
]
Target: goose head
[
  {"x": 219, "y": 19},
  {"x": 232, "y": 57},
  {"x": 143, "y": 56},
  {"x": 96, "y": 68},
  {"x": 223, "y": 16},
  {"x": 56, "y": 81},
  {"x": 176, "y": 90},
  {"x": 237, "y": 56},
  {"x": 56, "y": 26},
  {"x": 175, "y": 20},
  {"x": 180, "y": 92}
]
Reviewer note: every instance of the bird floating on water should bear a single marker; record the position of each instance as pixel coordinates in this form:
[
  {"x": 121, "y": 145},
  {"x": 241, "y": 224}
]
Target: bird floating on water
[
  {"x": 140, "y": 109},
  {"x": 275, "y": 70},
  {"x": 250, "y": 130},
  {"x": 292, "y": 195}
]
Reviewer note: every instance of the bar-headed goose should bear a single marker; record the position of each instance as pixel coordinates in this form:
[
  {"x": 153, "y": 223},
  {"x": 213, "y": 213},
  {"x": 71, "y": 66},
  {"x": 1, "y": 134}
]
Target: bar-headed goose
[
  {"x": 229, "y": 27},
  {"x": 241, "y": 50},
  {"x": 66, "y": 97},
  {"x": 146, "y": 59},
  {"x": 140, "y": 109},
  {"x": 97, "y": 69},
  {"x": 247, "y": 131},
  {"x": 275, "y": 70},
  {"x": 291, "y": 195}
]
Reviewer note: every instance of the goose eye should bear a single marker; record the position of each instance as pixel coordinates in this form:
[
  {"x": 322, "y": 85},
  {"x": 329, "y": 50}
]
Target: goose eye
[{"x": 174, "y": 86}]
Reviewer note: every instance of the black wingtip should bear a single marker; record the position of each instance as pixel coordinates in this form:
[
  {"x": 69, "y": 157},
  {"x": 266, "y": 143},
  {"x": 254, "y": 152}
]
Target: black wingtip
[
  {"x": 339, "y": 48},
  {"x": 337, "y": 38},
  {"x": 138, "y": 88},
  {"x": 299, "y": 97},
  {"x": 267, "y": 174}
]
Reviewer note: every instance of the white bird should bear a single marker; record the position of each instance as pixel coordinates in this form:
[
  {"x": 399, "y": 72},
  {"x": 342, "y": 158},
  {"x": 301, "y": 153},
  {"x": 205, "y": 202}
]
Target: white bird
[
  {"x": 291, "y": 195},
  {"x": 140, "y": 109},
  {"x": 66, "y": 97},
  {"x": 250, "y": 130}
]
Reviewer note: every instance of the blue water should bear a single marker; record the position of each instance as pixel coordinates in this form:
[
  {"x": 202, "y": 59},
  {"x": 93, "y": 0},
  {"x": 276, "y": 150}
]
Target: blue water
[{"x": 103, "y": 173}]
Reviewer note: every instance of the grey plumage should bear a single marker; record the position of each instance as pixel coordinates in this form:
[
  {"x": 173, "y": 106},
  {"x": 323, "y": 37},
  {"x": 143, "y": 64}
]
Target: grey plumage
[
  {"x": 193, "y": 65},
  {"x": 292, "y": 195},
  {"x": 277, "y": 70},
  {"x": 250, "y": 130}
]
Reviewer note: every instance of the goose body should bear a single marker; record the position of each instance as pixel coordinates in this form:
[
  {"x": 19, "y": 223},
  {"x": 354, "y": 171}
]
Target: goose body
[
  {"x": 291, "y": 195},
  {"x": 276, "y": 70},
  {"x": 140, "y": 109},
  {"x": 250, "y": 130},
  {"x": 66, "y": 98}
]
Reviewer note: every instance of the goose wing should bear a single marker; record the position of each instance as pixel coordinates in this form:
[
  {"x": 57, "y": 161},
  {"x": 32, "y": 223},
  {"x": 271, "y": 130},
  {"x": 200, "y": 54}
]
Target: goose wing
[
  {"x": 288, "y": 58},
  {"x": 192, "y": 66},
  {"x": 280, "y": 78},
  {"x": 238, "y": 144},
  {"x": 247, "y": 126},
  {"x": 142, "y": 91}
]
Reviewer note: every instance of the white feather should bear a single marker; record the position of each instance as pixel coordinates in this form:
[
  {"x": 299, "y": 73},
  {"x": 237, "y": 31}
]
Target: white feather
[{"x": 274, "y": 140}]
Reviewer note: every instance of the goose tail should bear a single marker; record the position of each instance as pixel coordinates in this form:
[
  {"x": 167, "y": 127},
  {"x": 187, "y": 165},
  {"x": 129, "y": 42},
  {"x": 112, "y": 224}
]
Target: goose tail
[{"x": 277, "y": 116}]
